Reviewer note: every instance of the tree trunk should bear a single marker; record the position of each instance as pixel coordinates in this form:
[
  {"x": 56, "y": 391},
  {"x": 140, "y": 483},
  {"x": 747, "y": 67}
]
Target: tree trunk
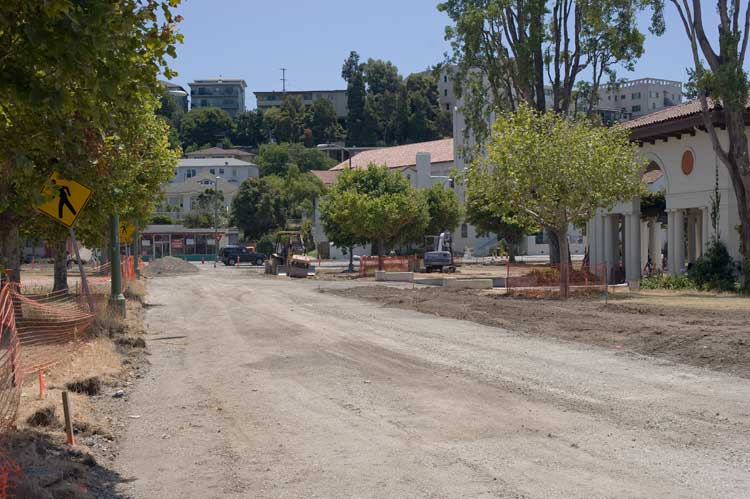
[
  {"x": 564, "y": 264},
  {"x": 10, "y": 248},
  {"x": 381, "y": 250},
  {"x": 511, "y": 252},
  {"x": 351, "y": 259},
  {"x": 554, "y": 247},
  {"x": 61, "y": 268}
]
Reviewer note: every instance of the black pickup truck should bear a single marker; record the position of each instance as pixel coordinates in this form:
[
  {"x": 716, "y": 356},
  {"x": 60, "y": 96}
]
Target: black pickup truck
[{"x": 228, "y": 255}]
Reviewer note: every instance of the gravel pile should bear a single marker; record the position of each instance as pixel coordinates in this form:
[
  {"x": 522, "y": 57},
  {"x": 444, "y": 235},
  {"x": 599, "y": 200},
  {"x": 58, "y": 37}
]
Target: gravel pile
[{"x": 170, "y": 266}]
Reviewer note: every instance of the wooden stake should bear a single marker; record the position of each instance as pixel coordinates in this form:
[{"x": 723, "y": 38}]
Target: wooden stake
[
  {"x": 41, "y": 385},
  {"x": 68, "y": 420}
]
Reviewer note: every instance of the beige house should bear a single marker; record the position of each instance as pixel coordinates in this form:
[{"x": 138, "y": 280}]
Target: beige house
[{"x": 268, "y": 100}]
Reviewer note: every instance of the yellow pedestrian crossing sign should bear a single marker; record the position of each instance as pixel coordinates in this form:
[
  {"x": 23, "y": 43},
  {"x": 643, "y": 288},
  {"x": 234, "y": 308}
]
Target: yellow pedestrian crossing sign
[
  {"x": 66, "y": 199},
  {"x": 126, "y": 232}
]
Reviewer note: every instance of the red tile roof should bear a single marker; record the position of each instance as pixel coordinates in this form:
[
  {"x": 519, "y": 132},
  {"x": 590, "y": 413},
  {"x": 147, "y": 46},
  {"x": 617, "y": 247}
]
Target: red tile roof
[
  {"x": 684, "y": 110},
  {"x": 441, "y": 151},
  {"x": 328, "y": 177}
]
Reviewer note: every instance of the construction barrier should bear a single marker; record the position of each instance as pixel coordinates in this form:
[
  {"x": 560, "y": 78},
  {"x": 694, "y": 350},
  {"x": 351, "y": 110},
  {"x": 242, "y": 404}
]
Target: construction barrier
[
  {"x": 10, "y": 368},
  {"x": 520, "y": 275},
  {"x": 369, "y": 264}
]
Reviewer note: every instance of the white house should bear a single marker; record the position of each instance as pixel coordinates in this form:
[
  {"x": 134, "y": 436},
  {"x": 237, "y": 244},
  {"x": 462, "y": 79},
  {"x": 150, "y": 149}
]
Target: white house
[
  {"x": 194, "y": 175},
  {"x": 674, "y": 142}
]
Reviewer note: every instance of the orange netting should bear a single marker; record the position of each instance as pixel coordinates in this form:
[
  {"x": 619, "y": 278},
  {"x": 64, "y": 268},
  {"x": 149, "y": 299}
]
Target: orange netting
[
  {"x": 10, "y": 370},
  {"x": 10, "y": 474},
  {"x": 549, "y": 276},
  {"x": 369, "y": 264}
]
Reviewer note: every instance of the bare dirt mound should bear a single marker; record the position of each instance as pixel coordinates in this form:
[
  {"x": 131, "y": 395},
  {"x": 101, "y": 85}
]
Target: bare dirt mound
[
  {"x": 170, "y": 265},
  {"x": 699, "y": 329}
]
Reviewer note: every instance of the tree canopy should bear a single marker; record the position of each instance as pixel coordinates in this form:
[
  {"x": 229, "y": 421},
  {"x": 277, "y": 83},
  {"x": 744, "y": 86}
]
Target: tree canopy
[
  {"x": 275, "y": 159},
  {"x": 542, "y": 169},
  {"x": 76, "y": 76},
  {"x": 443, "y": 207},
  {"x": 503, "y": 52},
  {"x": 258, "y": 207},
  {"x": 205, "y": 126},
  {"x": 376, "y": 204}
]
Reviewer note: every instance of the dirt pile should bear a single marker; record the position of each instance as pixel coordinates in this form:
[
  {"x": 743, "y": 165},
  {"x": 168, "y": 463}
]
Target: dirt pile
[
  {"x": 699, "y": 329},
  {"x": 170, "y": 266}
]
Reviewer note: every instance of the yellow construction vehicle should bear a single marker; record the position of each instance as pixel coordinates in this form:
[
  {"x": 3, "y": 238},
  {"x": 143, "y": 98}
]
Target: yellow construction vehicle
[{"x": 290, "y": 257}]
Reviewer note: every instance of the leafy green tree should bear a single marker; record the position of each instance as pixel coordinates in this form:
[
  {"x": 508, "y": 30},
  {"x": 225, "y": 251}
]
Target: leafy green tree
[
  {"x": 502, "y": 53},
  {"x": 66, "y": 68},
  {"x": 443, "y": 207},
  {"x": 161, "y": 220},
  {"x": 361, "y": 125},
  {"x": 258, "y": 207},
  {"x": 300, "y": 190},
  {"x": 199, "y": 219},
  {"x": 275, "y": 159},
  {"x": 249, "y": 129},
  {"x": 205, "y": 125},
  {"x": 542, "y": 169},
  {"x": 336, "y": 219},
  {"x": 290, "y": 121},
  {"x": 488, "y": 219},
  {"x": 379, "y": 205},
  {"x": 324, "y": 123},
  {"x": 381, "y": 76},
  {"x": 723, "y": 78}
]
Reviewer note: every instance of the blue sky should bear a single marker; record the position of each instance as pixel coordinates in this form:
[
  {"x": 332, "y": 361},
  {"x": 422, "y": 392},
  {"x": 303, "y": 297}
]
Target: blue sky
[{"x": 253, "y": 39}]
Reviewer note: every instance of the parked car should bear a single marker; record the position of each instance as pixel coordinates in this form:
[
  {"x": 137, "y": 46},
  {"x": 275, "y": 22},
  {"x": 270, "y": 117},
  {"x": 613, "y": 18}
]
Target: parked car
[{"x": 228, "y": 255}]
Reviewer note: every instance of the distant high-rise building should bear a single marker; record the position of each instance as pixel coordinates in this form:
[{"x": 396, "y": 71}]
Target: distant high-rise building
[
  {"x": 224, "y": 93},
  {"x": 641, "y": 96},
  {"x": 267, "y": 100}
]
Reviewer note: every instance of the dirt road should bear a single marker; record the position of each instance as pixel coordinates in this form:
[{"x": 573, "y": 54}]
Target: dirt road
[{"x": 263, "y": 388}]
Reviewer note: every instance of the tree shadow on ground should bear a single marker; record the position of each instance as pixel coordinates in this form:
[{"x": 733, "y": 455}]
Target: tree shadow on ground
[{"x": 49, "y": 469}]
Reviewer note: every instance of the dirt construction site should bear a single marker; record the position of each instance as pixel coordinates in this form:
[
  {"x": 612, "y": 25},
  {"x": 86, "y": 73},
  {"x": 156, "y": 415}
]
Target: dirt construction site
[{"x": 269, "y": 387}]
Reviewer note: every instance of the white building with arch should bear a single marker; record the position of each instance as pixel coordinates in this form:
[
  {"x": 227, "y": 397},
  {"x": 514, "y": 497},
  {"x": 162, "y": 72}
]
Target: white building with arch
[{"x": 674, "y": 142}]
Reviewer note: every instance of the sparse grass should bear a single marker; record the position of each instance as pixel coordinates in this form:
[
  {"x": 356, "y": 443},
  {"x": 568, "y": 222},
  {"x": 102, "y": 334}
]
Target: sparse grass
[{"x": 136, "y": 290}]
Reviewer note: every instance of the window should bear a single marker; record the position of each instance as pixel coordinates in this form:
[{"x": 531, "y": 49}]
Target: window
[
  {"x": 204, "y": 103},
  {"x": 445, "y": 92},
  {"x": 653, "y": 105},
  {"x": 464, "y": 230},
  {"x": 539, "y": 238},
  {"x": 307, "y": 96},
  {"x": 202, "y": 91},
  {"x": 623, "y": 97},
  {"x": 221, "y": 171},
  {"x": 615, "y": 98},
  {"x": 609, "y": 97},
  {"x": 657, "y": 94},
  {"x": 234, "y": 172},
  {"x": 212, "y": 171},
  {"x": 447, "y": 107},
  {"x": 190, "y": 172},
  {"x": 635, "y": 109},
  {"x": 445, "y": 78},
  {"x": 636, "y": 95}
]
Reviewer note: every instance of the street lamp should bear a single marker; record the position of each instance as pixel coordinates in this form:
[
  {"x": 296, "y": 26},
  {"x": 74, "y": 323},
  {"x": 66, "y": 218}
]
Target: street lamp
[{"x": 216, "y": 224}]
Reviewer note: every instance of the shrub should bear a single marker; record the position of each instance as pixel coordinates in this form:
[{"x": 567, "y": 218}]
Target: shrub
[
  {"x": 714, "y": 270},
  {"x": 266, "y": 244},
  {"x": 666, "y": 281}
]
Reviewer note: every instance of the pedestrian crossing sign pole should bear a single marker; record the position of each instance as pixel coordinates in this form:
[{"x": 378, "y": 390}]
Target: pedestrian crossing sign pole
[{"x": 65, "y": 199}]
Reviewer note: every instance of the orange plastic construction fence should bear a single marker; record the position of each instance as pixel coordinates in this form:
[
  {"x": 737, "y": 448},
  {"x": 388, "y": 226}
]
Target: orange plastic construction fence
[
  {"x": 10, "y": 362},
  {"x": 549, "y": 276},
  {"x": 369, "y": 264}
]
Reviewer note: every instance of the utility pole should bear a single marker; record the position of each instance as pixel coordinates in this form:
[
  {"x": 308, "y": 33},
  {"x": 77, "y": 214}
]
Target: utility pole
[
  {"x": 216, "y": 224},
  {"x": 117, "y": 299},
  {"x": 283, "y": 80}
]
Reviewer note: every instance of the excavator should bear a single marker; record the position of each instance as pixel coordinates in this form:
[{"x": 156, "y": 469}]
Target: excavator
[
  {"x": 290, "y": 256},
  {"x": 441, "y": 258}
]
